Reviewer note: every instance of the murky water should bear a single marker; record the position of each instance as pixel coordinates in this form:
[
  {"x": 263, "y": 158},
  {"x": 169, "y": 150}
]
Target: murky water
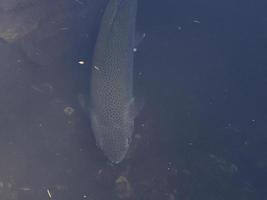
[{"x": 201, "y": 135}]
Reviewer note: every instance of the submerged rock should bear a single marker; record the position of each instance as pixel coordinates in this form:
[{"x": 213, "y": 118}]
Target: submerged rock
[
  {"x": 18, "y": 23},
  {"x": 10, "y": 5},
  {"x": 123, "y": 188},
  {"x": 7, "y": 191}
]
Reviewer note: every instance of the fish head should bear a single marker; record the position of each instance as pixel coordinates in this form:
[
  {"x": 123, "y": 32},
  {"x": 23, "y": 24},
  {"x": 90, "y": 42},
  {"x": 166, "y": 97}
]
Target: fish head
[{"x": 113, "y": 139}]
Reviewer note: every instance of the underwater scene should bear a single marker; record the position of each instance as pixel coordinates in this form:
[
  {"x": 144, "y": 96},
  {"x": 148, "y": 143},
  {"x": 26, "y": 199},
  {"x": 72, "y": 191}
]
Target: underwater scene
[{"x": 133, "y": 100}]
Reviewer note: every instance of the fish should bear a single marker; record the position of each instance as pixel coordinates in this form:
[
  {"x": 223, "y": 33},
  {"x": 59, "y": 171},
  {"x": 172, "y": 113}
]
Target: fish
[{"x": 113, "y": 107}]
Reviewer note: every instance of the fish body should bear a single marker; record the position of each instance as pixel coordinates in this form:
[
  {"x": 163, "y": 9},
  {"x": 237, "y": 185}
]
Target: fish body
[{"x": 111, "y": 94}]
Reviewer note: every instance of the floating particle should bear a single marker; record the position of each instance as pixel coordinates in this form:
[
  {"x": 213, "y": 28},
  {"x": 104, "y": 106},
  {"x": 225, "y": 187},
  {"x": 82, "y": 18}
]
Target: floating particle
[
  {"x": 97, "y": 68},
  {"x": 196, "y": 21},
  {"x": 49, "y": 193},
  {"x": 81, "y": 62},
  {"x": 68, "y": 110}
]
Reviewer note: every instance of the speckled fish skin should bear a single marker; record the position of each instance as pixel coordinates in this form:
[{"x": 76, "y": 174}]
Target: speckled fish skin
[{"x": 112, "y": 80}]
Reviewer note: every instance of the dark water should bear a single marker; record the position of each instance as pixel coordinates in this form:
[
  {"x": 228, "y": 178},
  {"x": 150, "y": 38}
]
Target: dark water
[{"x": 201, "y": 135}]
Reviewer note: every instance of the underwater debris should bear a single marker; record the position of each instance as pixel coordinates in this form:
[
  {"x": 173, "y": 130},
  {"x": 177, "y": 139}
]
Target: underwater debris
[
  {"x": 49, "y": 193},
  {"x": 68, "y": 110},
  {"x": 123, "y": 188},
  {"x": 7, "y": 191},
  {"x": 196, "y": 21}
]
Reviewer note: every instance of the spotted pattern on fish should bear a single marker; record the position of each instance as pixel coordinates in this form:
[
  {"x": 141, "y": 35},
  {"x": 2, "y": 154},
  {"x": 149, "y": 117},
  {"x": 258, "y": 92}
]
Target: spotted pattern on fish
[{"x": 112, "y": 80}]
